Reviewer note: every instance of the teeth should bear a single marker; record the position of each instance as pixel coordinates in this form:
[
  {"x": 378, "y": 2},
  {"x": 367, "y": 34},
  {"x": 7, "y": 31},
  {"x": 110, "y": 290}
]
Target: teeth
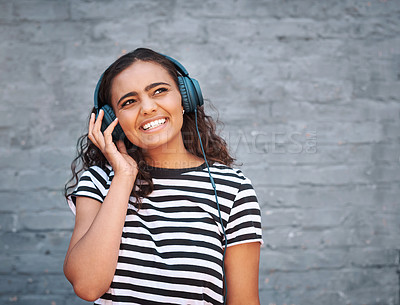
[{"x": 153, "y": 124}]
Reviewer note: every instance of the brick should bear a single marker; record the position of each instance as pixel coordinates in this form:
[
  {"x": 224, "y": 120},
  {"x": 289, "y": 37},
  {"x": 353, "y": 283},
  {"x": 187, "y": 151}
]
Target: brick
[
  {"x": 32, "y": 300},
  {"x": 29, "y": 180},
  {"x": 323, "y": 218},
  {"x": 38, "y": 264},
  {"x": 334, "y": 175},
  {"x": 294, "y": 237},
  {"x": 317, "y": 238},
  {"x": 301, "y": 137},
  {"x": 5, "y": 266},
  {"x": 6, "y": 12},
  {"x": 376, "y": 233},
  {"x": 33, "y": 10},
  {"x": 41, "y": 284},
  {"x": 381, "y": 198},
  {"x": 8, "y": 222},
  {"x": 38, "y": 201},
  {"x": 44, "y": 243},
  {"x": 14, "y": 242},
  {"x": 367, "y": 110},
  {"x": 339, "y": 237},
  {"x": 301, "y": 149},
  {"x": 270, "y": 197},
  {"x": 62, "y": 31},
  {"x": 314, "y": 9},
  {"x": 280, "y": 146},
  {"x": 274, "y": 218},
  {"x": 319, "y": 91},
  {"x": 19, "y": 159},
  {"x": 23, "y": 68},
  {"x": 116, "y": 32},
  {"x": 378, "y": 90},
  {"x": 179, "y": 32},
  {"x": 320, "y": 235},
  {"x": 262, "y": 30},
  {"x": 367, "y": 28},
  {"x": 123, "y": 9},
  {"x": 303, "y": 260},
  {"x": 208, "y": 8},
  {"x": 370, "y": 257},
  {"x": 46, "y": 221},
  {"x": 333, "y": 280},
  {"x": 366, "y": 132}
]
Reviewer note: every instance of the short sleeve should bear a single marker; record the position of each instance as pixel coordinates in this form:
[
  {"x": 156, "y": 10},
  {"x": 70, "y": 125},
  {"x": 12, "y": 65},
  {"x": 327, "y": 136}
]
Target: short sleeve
[
  {"x": 244, "y": 224},
  {"x": 94, "y": 183}
]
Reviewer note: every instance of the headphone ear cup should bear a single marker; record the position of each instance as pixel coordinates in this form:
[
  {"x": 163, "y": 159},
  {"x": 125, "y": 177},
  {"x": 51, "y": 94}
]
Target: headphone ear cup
[
  {"x": 190, "y": 92},
  {"x": 185, "y": 97},
  {"x": 196, "y": 92},
  {"x": 109, "y": 117}
]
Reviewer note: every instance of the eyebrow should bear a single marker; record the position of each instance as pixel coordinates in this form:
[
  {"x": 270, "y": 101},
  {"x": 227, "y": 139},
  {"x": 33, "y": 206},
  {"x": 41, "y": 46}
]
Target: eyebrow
[{"x": 147, "y": 88}]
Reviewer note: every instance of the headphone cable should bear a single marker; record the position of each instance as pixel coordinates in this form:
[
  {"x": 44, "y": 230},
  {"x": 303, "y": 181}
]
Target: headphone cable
[{"x": 216, "y": 200}]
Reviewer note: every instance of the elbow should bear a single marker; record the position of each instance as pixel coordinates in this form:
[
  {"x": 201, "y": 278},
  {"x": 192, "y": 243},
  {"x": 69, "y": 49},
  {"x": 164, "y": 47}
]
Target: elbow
[
  {"x": 240, "y": 300},
  {"x": 86, "y": 289},
  {"x": 88, "y": 292}
]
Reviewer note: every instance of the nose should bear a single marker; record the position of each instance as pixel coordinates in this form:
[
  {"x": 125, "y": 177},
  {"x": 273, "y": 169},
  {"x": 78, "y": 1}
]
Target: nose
[{"x": 148, "y": 105}]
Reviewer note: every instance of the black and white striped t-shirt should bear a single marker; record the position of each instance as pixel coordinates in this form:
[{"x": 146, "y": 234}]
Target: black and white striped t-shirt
[{"x": 171, "y": 248}]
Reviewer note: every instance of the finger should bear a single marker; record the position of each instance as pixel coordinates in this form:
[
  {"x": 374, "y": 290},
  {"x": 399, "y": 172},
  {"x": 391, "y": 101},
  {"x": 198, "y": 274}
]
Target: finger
[
  {"x": 91, "y": 122},
  {"x": 109, "y": 130},
  {"x": 99, "y": 120},
  {"x": 96, "y": 130},
  {"x": 90, "y": 129}
]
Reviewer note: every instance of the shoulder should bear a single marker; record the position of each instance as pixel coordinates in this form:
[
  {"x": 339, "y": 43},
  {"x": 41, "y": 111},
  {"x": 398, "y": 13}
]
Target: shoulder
[
  {"x": 95, "y": 179},
  {"x": 229, "y": 173},
  {"x": 103, "y": 174},
  {"x": 232, "y": 177},
  {"x": 93, "y": 183}
]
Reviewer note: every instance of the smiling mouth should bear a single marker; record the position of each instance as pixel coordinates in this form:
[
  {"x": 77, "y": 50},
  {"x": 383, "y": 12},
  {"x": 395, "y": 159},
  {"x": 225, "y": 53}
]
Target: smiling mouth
[{"x": 154, "y": 124}]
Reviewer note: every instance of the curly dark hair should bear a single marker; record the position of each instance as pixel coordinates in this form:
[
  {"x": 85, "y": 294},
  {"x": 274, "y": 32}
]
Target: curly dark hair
[{"x": 89, "y": 155}]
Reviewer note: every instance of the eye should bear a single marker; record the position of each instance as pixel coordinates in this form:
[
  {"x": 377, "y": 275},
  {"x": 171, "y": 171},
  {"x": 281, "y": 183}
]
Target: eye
[
  {"x": 128, "y": 102},
  {"x": 160, "y": 90}
]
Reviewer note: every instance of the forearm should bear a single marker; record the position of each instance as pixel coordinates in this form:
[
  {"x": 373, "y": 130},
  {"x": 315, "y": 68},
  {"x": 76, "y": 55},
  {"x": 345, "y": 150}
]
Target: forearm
[
  {"x": 91, "y": 263},
  {"x": 241, "y": 271}
]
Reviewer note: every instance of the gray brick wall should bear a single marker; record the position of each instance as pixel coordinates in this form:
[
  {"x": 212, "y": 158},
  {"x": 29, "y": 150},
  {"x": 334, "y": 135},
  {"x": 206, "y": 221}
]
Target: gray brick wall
[{"x": 309, "y": 92}]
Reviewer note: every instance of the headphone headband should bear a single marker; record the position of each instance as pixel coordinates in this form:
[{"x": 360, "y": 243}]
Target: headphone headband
[
  {"x": 189, "y": 87},
  {"x": 177, "y": 65}
]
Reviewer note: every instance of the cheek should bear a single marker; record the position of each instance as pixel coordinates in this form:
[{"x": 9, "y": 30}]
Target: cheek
[
  {"x": 122, "y": 118},
  {"x": 178, "y": 117},
  {"x": 178, "y": 107},
  {"x": 127, "y": 121}
]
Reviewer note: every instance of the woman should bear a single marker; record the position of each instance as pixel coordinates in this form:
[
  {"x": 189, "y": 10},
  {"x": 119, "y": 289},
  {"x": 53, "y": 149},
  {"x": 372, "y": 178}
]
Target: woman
[{"x": 154, "y": 223}]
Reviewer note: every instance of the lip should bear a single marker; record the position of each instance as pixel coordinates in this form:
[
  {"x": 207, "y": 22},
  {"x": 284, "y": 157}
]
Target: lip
[{"x": 151, "y": 120}]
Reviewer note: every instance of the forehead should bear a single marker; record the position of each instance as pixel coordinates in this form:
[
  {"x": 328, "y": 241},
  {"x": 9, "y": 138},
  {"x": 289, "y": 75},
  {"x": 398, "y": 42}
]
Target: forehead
[
  {"x": 141, "y": 72},
  {"x": 137, "y": 76}
]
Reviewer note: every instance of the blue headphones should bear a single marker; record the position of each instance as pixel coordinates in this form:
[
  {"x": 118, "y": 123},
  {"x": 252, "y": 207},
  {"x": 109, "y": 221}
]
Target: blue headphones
[{"x": 188, "y": 87}]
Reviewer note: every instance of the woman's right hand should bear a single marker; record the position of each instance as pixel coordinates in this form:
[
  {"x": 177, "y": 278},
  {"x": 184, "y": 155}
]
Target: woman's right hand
[{"x": 119, "y": 159}]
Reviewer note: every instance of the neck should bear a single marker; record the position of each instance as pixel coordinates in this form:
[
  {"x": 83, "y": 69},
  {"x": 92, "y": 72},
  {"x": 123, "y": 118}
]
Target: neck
[
  {"x": 185, "y": 160},
  {"x": 172, "y": 157}
]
